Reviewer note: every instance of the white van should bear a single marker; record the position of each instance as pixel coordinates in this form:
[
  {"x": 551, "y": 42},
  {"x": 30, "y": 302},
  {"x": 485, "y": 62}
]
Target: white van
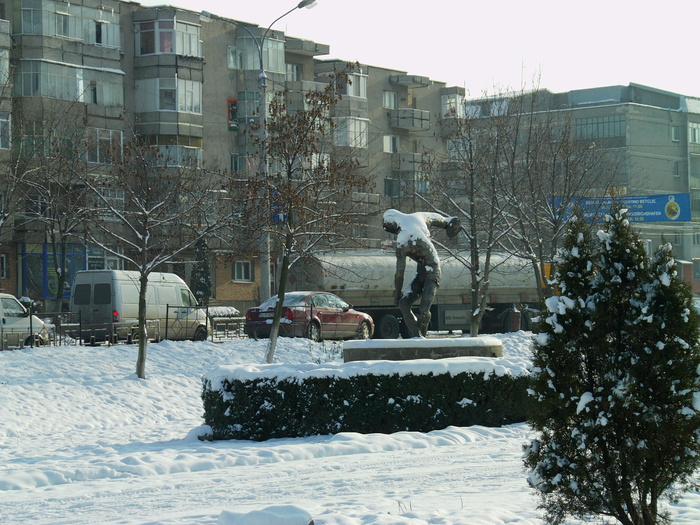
[
  {"x": 18, "y": 328},
  {"x": 107, "y": 302}
]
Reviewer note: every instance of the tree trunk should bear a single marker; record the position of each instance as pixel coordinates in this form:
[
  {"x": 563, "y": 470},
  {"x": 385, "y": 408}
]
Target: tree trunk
[
  {"x": 143, "y": 339},
  {"x": 284, "y": 269}
]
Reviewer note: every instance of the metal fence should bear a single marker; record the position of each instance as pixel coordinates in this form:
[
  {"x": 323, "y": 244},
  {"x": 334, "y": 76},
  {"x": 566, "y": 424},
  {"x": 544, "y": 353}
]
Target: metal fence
[{"x": 68, "y": 328}]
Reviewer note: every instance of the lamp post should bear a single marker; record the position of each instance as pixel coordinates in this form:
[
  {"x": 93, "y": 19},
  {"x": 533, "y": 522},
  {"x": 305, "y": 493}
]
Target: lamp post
[
  {"x": 265, "y": 275},
  {"x": 265, "y": 291}
]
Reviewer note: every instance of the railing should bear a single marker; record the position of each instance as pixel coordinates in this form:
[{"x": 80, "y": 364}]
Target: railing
[
  {"x": 68, "y": 328},
  {"x": 226, "y": 328}
]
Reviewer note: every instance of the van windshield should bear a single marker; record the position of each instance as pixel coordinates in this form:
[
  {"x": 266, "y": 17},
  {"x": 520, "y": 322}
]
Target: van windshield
[
  {"x": 187, "y": 297},
  {"x": 12, "y": 308}
]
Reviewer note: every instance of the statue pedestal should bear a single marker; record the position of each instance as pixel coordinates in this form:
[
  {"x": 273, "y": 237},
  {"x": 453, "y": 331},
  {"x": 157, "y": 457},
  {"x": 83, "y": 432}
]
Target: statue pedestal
[{"x": 419, "y": 348}]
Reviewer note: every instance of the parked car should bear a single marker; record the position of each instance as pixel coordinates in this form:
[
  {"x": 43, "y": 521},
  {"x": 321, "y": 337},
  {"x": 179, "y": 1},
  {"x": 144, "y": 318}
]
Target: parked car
[
  {"x": 315, "y": 315},
  {"x": 18, "y": 327}
]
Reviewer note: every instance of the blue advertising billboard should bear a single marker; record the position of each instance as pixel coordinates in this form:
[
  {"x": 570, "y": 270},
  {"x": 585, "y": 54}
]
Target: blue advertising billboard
[{"x": 671, "y": 207}]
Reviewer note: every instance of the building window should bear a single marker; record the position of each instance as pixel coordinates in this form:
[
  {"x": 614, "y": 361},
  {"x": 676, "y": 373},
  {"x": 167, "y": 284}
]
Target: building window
[
  {"x": 104, "y": 145},
  {"x": 187, "y": 41},
  {"x": 694, "y": 130},
  {"x": 696, "y": 238},
  {"x": 106, "y": 33},
  {"x": 391, "y": 143},
  {"x": 5, "y": 130},
  {"x": 678, "y": 238},
  {"x": 167, "y": 36},
  {"x": 156, "y": 37},
  {"x": 357, "y": 85},
  {"x": 167, "y": 94},
  {"x": 452, "y": 106},
  {"x": 4, "y": 66},
  {"x": 601, "y": 127},
  {"x": 99, "y": 259},
  {"x": 351, "y": 132},
  {"x": 499, "y": 107},
  {"x": 4, "y": 270},
  {"x": 676, "y": 168},
  {"x": 233, "y": 57},
  {"x": 293, "y": 72},
  {"x": 189, "y": 96},
  {"x": 62, "y": 25},
  {"x": 273, "y": 54},
  {"x": 177, "y": 155},
  {"x": 35, "y": 78},
  {"x": 675, "y": 133},
  {"x": 243, "y": 271},
  {"x": 244, "y": 164},
  {"x": 391, "y": 100},
  {"x": 392, "y": 187}
]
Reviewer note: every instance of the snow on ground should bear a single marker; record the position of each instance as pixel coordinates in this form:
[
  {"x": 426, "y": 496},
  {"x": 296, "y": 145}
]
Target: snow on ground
[{"x": 82, "y": 440}]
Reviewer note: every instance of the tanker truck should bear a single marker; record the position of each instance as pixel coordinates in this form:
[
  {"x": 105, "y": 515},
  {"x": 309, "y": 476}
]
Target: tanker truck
[{"x": 365, "y": 279}]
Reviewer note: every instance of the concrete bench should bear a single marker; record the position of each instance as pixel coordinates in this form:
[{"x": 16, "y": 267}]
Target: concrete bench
[{"x": 419, "y": 348}]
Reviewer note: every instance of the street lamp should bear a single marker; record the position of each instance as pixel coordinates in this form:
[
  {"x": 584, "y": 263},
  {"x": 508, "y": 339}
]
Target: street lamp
[{"x": 265, "y": 291}]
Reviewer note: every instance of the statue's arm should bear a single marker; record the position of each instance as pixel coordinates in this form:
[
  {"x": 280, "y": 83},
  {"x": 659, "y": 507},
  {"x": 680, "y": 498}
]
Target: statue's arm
[{"x": 451, "y": 224}]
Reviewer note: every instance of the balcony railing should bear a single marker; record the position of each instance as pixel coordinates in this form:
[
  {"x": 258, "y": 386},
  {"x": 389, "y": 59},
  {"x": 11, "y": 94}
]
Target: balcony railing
[{"x": 409, "y": 119}]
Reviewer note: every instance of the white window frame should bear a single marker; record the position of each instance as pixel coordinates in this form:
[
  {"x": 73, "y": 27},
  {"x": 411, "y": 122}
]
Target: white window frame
[
  {"x": 351, "y": 132},
  {"x": 391, "y": 143},
  {"x": 4, "y": 269},
  {"x": 5, "y": 130},
  {"x": 676, "y": 133},
  {"x": 453, "y": 105},
  {"x": 243, "y": 272},
  {"x": 357, "y": 85},
  {"x": 390, "y": 100},
  {"x": 102, "y": 144}
]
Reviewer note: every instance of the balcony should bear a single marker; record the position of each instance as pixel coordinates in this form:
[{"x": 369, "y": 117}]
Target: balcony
[
  {"x": 409, "y": 119},
  {"x": 305, "y": 47},
  {"x": 409, "y": 162},
  {"x": 412, "y": 81}
]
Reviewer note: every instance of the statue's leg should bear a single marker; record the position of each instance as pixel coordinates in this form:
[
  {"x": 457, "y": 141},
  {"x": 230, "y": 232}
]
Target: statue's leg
[
  {"x": 409, "y": 317},
  {"x": 426, "y": 301},
  {"x": 406, "y": 303}
]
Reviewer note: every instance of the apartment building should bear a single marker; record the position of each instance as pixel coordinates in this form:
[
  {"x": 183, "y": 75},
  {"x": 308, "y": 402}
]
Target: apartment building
[
  {"x": 654, "y": 137},
  {"x": 189, "y": 82}
]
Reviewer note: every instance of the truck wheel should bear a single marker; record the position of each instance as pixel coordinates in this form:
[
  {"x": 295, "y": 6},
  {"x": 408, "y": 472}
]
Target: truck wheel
[{"x": 389, "y": 327}]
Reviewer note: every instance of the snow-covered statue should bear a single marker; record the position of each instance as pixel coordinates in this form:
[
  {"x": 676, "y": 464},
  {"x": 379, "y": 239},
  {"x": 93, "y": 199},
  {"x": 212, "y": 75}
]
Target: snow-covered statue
[{"x": 413, "y": 241}]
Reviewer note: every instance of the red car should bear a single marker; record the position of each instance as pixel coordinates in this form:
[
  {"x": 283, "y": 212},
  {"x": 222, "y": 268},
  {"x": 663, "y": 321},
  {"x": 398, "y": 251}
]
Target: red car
[{"x": 315, "y": 315}]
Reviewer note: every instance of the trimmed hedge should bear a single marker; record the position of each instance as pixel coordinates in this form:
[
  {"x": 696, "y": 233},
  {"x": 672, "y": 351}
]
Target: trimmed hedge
[{"x": 266, "y": 408}]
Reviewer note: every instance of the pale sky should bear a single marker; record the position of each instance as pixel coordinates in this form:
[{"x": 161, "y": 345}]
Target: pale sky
[{"x": 494, "y": 46}]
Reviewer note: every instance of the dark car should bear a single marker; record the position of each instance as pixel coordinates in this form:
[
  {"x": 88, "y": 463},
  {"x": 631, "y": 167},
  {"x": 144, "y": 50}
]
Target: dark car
[{"x": 316, "y": 315}]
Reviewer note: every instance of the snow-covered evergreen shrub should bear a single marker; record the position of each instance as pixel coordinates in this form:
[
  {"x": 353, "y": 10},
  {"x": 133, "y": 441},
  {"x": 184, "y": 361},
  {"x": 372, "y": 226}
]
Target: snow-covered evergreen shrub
[
  {"x": 268, "y": 408},
  {"x": 615, "y": 381}
]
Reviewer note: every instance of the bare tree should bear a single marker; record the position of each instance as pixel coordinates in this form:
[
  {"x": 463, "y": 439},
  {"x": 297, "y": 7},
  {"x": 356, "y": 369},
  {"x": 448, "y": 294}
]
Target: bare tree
[
  {"x": 546, "y": 170},
  {"x": 151, "y": 213},
  {"x": 513, "y": 173},
  {"x": 306, "y": 199},
  {"x": 465, "y": 183},
  {"x": 57, "y": 202}
]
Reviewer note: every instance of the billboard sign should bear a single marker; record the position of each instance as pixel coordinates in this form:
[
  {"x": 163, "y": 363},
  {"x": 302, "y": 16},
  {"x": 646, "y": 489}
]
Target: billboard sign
[{"x": 672, "y": 207}]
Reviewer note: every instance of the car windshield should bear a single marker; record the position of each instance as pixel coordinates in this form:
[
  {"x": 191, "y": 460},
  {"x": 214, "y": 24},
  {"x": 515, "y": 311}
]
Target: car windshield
[{"x": 290, "y": 299}]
